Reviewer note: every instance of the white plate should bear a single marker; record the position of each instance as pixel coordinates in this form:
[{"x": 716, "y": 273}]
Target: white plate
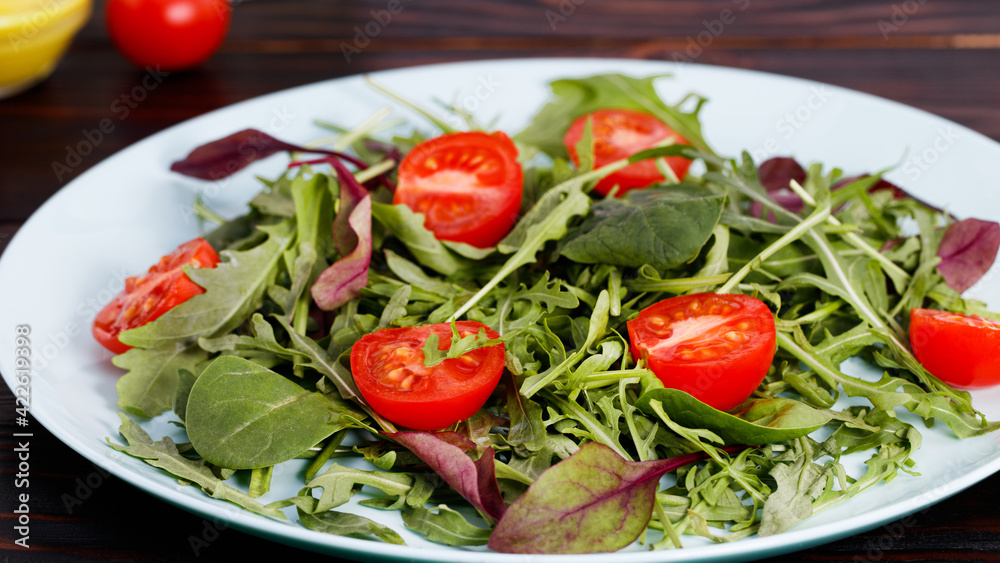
[{"x": 72, "y": 255}]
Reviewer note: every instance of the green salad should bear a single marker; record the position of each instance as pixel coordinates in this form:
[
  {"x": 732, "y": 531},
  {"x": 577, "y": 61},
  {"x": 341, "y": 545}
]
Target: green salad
[{"x": 593, "y": 332}]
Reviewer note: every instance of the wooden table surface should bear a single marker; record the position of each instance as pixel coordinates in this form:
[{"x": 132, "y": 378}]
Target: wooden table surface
[{"x": 940, "y": 56}]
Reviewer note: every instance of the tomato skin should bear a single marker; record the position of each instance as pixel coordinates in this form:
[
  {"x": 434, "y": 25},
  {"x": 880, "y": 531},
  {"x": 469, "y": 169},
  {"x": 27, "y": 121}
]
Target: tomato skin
[
  {"x": 618, "y": 134},
  {"x": 718, "y": 348},
  {"x": 442, "y": 395},
  {"x": 467, "y": 185},
  {"x": 147, "y": 297},
  {"x": 961, "y": 350},
  {"x": 168, "y": 34}
]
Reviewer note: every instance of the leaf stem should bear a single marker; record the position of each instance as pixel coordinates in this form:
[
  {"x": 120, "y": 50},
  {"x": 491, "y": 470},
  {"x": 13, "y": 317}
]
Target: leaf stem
[
  {"x": 899, "y": 276},
  {"x": 430, "y": 117},
  {"x": 818, "y": 216}
]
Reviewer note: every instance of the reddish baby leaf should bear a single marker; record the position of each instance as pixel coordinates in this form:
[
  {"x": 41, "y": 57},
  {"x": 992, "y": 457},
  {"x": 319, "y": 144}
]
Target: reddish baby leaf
[
  {"x": 593, "y": 501},
  {"x": 775, "y": 175},
  {"x": 226, "y": 156},
  {"x": 476, "y": 480},
  {"x": 345, "y": 278},
  {"x": 968, "y": 249}
]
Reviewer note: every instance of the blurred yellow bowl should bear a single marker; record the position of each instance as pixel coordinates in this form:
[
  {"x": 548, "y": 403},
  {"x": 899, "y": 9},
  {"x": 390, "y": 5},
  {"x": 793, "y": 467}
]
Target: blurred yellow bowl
[{"x": 34, "y": 34}]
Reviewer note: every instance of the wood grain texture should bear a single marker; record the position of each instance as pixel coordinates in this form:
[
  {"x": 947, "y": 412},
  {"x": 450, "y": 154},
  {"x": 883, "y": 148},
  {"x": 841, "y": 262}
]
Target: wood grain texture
[
  {"x": 258, "y": 20},
  {"x": 944, "y": 58}
]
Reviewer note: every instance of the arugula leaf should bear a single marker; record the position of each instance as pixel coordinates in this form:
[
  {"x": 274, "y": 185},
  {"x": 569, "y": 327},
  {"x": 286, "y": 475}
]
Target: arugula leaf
[
  {"x": 348, "y": 525},
  {"x": 445, "y": 526},
  {"x": 165, "y": 455},
  {"x": 662, "y": 227},
  {"x": 573, "y": 97},
  {"x": 547, "y": 221},
  {"x": 151, "y": 384},
  {"x": 241, "y": 415},
  {"x": 409, "y": 228},
  {"x": 233, "y": 290},
  {"x": 798, "y": 485},
  {"x": 340, "y": 483}
]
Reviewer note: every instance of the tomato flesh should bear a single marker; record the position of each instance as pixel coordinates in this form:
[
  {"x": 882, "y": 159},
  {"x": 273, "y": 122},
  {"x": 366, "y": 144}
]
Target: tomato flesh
[
  {"x": 147, "y": 297},
  {"x": 961, "y": 350},
  {"x": 388, "y": 368},
  {"x": 467, "y": 185},
  {"x": 618, "y": 134},
  {"x": 718, "y": 348},
  {"x": 168, "y": 34}
]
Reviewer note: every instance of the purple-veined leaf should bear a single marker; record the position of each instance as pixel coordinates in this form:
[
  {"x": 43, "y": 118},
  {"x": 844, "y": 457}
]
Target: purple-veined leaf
[
  {"x": 226, "y": 156},
  {"x": 775, "y": 175},
  {"x": 592, "y": 501},
  {"x": 351, "y": 193},
  {"x": 475, "y": 480},
  {"x": 352, "y": 229},
  {"x": 345, "y": 278},
  {"x": 968, "y": 249}
]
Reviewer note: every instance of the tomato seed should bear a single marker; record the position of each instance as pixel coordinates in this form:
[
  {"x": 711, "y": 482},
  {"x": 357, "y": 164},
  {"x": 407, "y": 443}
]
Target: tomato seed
[{"x": 734, "y": 336}]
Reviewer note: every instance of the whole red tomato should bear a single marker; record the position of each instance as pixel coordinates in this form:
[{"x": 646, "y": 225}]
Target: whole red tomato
[{"x": 169, "y": 34}]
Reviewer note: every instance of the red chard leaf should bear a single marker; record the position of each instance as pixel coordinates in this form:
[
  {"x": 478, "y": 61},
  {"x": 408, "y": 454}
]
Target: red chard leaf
[
  {"x": 345, "y": 278},
  {"x": 226, "y": 156},
  {"x": 775, "y": 175},
  {"x": 475, "y": 480},
  {"x": 968, "y": 249},
  {"x": 593, "y": 501}
]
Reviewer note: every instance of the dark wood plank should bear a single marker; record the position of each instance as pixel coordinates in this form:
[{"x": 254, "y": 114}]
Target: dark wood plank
[{"x": 256, "y": 20}]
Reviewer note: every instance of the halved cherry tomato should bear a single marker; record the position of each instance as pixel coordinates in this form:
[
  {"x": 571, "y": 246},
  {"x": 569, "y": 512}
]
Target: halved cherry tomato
[
  {"x": 388, "y": 367},
  {"x": 146, "y": 297},
  {"x": 618, "y": 134},
  {"x": 961, "y": 350},
  {"x": 467, "y": 185},
  {"x": 715, "y": 347}
]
